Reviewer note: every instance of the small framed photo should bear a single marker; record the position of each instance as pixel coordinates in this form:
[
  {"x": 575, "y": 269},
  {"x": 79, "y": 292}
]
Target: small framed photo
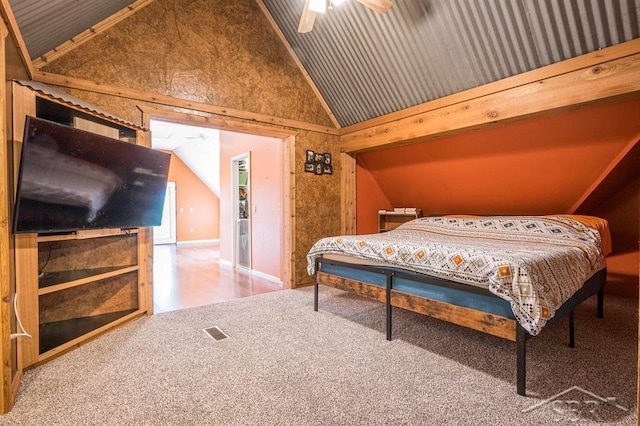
[
  {"x": 309, "y": 167},
  {"x": 310, "y": 156},
  {"x": 318, "y": 168},
  {"x": 327, "y": 169},
  {"x": 327, "y": 159}
]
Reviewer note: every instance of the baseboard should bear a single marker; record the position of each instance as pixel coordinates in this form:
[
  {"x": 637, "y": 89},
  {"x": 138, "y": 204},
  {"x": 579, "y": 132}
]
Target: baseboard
[
  {"x": 254, "y": 273},
  {"x": 267, "y": 277},
  {"x": 217, "y": 241}
]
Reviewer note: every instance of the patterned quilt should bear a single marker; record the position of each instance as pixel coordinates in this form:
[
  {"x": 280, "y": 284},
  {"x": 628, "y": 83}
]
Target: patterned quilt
[{"x": 534, "y": 262}]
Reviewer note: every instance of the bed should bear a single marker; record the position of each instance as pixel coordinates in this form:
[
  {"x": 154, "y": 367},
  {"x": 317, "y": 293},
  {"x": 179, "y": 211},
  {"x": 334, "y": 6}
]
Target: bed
[{"x": 509, "y": 276}]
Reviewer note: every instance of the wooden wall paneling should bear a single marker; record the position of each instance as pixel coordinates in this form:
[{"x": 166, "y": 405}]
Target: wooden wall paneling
[
  {"x": 145, "y": 250},
  {"x": 348, "y": 193},
  {"x": 93, "y": 127},
  {"x": 7, "y": 14},
  {"x": 106, "y": 89},
  {"x": 26, "y": 247},
  {"x": 608, "y": 81},
  {"x": 288, "y": 209},
  {"x": 304, "y": 72},
  {"x": 6, "y": 186},
  {"x": 145, "y": 270},
  {"x": 24, "y": 103}
]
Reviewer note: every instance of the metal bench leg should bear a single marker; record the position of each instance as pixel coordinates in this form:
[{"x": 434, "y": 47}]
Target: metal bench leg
[
  {"x": 521, "y": 363},
  {"x": 600, "y": 313},
  {"x": 389, "y": 307},
  {"x": 315, "y": 296}
]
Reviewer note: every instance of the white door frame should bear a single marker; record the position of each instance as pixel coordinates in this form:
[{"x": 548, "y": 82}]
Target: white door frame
[{"x": 168, "y": 213}]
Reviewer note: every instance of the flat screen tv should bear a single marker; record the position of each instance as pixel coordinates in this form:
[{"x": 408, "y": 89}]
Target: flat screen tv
[{"x": 71, "y": 179}]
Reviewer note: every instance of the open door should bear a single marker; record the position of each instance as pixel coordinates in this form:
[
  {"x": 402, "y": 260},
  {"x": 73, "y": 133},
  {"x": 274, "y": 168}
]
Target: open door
[{"x": 241, "y": 190}]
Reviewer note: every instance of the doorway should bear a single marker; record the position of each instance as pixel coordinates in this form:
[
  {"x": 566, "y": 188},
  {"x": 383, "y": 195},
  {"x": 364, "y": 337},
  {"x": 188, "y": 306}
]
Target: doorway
[
  {"x": 241, "y": 202},
  {"x": 273, "y": 204}
]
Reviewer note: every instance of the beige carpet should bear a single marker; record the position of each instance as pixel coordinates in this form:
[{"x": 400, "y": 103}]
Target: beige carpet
[{"x": 285, "y": 364}]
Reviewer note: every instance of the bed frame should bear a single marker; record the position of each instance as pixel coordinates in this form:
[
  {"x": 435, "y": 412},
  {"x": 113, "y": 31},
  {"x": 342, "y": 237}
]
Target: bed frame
[{"x": 487, "y": 322}]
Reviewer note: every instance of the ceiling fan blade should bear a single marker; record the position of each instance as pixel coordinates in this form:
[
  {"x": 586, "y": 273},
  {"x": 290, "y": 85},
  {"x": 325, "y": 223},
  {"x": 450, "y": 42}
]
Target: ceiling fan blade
[
  {"x": 307, "y": 19},
  {"x": 380, "y": 6}
]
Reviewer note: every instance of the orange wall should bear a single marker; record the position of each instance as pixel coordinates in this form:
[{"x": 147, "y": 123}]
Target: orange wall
[
  {"x": 537, "y": 166},
  {"x": 369, "y": 199},
  {"x": 265, "y": 198},
  {"x": 192, "y": 193}
]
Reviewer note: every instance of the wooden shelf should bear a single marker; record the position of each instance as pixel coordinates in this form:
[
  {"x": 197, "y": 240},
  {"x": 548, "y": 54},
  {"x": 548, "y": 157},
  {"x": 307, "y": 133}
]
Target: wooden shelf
[
  {"x": 82, "y": 235},
  {"x": 60, "y": 336},
  {"x": 391, "y": 219},
  {"x": 56, "y": 281}
]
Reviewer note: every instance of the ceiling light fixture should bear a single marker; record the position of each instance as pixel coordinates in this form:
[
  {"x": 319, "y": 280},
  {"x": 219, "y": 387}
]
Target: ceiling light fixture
[{"x": 319, "y": 6}]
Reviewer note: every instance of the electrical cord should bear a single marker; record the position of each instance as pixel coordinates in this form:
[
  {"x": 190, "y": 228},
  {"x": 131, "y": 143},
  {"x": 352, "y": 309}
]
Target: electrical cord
[
  {"x": 23, "y": 332},
  {"x": 46, "y": 262}
]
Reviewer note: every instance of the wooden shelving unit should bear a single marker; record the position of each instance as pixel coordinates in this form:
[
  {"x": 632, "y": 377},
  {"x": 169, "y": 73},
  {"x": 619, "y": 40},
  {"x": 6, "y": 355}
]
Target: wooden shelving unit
[
  {"x": 391, "y": 219},
  {"x": 72, "y": 287}
]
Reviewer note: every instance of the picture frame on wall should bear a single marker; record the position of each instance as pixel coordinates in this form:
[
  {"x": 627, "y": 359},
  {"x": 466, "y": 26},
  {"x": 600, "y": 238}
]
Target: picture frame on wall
[
  {"x": 319, "y": 163},
  {"x": 310, "y": 156}
]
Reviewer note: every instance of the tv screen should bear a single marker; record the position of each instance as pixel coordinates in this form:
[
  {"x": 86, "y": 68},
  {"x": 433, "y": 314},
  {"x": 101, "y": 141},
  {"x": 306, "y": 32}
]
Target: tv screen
[{"x": 71, "y": 179}]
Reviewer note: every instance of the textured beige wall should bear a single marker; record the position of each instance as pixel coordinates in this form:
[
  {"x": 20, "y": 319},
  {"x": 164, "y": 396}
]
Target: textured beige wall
[{"x": 225, "y": 53}]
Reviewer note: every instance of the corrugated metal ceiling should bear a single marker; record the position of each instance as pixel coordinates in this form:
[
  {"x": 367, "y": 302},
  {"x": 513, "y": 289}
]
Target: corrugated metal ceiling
[
  {"x": 367, "y": 65},
  {"x": 47, "y": 24}
]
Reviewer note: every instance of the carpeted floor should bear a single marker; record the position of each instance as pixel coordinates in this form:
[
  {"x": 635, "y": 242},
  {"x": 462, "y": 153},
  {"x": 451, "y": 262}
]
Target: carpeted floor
[{"x": 285, "y": 364}]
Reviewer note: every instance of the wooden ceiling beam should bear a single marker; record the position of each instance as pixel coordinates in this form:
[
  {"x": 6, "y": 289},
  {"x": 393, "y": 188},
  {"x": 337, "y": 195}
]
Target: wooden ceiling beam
[
  {"x": 90, "y": 86},
  {"x": 574, "y": 88},
  {"x": 14, "y": 30}
]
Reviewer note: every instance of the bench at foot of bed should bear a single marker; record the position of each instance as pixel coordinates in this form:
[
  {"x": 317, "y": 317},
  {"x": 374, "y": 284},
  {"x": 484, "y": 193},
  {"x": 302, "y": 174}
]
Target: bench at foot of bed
[{"x": 481, "y": 310}]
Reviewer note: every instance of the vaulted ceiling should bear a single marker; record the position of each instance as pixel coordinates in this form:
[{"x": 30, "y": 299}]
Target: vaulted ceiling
[{"x": 366, "y": 65}]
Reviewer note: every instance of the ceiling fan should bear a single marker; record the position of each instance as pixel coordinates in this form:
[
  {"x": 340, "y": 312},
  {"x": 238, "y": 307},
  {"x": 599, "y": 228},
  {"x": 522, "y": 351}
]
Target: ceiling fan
[{"x": 313, "y": 7}]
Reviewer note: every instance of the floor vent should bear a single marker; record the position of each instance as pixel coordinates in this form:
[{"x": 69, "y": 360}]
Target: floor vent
[{"x": 216, "y": 333}]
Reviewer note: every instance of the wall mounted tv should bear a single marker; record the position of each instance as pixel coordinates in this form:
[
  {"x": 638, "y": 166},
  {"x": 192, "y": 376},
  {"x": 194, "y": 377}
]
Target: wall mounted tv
[{"x": 71, "y": 180}]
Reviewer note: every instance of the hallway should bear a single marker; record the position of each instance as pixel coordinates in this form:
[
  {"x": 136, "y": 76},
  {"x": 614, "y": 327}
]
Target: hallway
[{"x": 190, "y": 275}]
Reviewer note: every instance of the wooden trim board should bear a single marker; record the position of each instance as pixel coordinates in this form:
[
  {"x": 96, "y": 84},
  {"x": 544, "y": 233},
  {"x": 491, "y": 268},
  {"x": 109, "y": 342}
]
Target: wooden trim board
[
  {"x": 288, "y": 163},
  {"x": 584, "y": 61},
  {"x": 607, "y": 81},
  {"x": 139, "y": 95},
  {"x": 89, "y": 33}
]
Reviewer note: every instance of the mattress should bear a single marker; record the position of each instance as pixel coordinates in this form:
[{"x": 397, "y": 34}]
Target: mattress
[{"x": 536, "y": 263}]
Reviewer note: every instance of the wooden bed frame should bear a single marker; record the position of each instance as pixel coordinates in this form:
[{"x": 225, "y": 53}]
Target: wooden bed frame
[{"x": 506, "y": 328}]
